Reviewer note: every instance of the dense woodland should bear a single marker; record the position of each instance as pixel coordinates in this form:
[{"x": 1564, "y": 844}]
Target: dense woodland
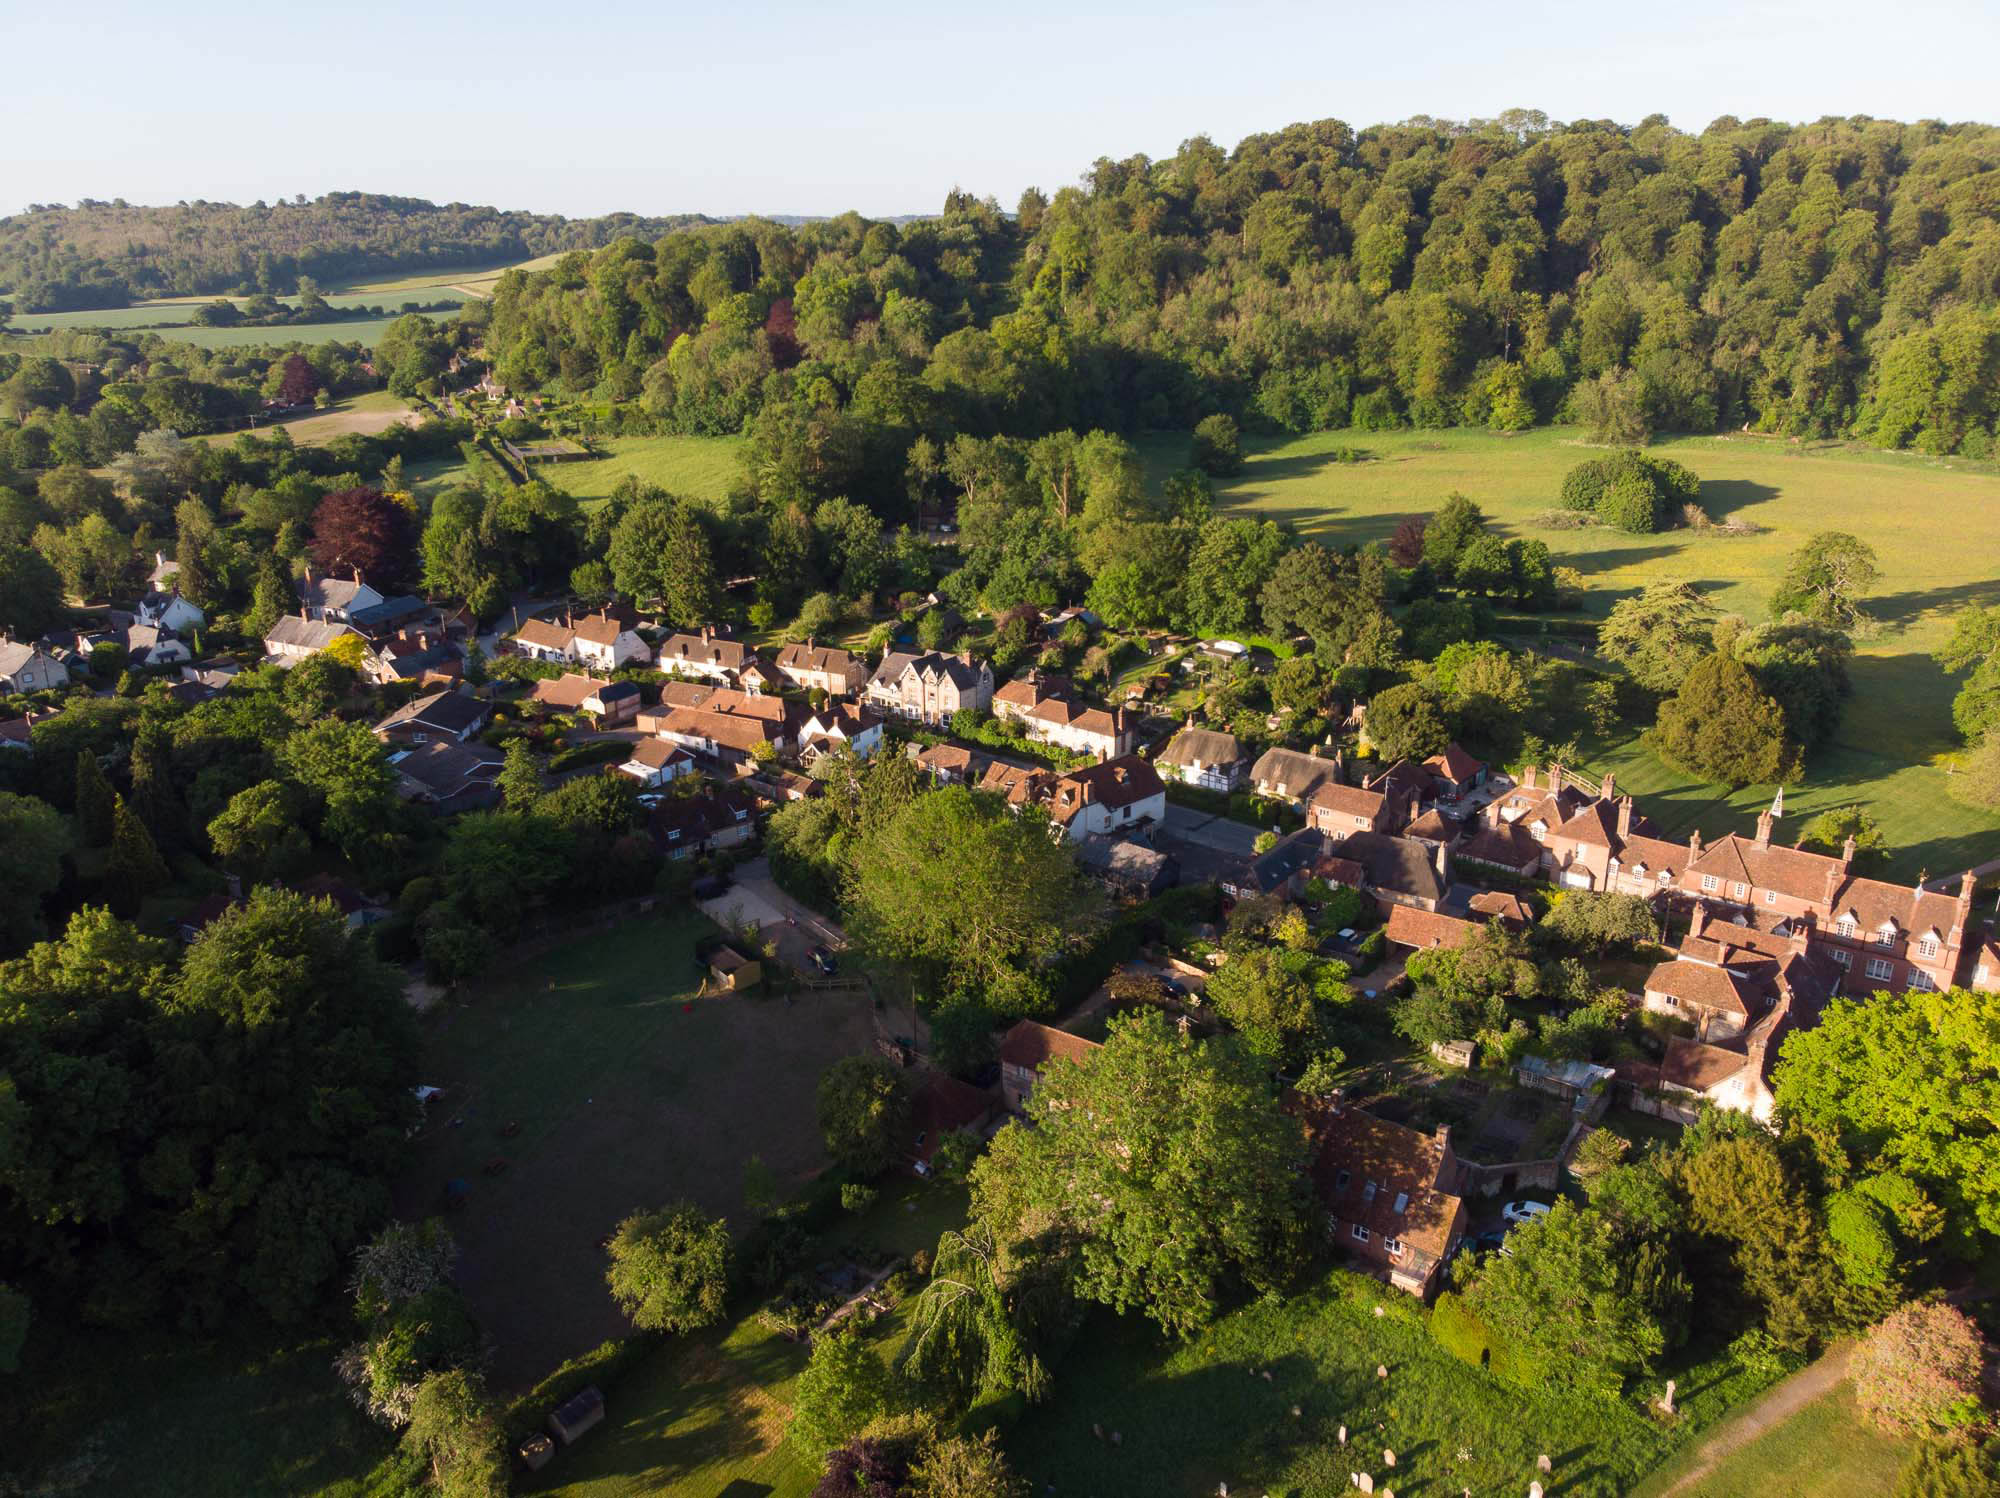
[
  {"x": 98, "y": 254},
  {"x": 1827, "y": 278}
]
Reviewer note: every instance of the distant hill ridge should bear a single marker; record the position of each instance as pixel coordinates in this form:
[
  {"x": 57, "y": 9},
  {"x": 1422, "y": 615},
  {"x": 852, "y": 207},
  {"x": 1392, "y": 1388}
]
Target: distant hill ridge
[{"x": 110, "y": 254}]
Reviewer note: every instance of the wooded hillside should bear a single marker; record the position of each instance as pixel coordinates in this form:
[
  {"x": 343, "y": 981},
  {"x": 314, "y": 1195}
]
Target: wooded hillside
[{"x": 99, "y": 254}]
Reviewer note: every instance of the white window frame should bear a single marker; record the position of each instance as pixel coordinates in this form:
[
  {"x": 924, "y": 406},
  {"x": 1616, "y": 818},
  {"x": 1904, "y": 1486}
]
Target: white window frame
[
  {"x": 1358, "y": 1233},
  {"x": 1770, "y": 897},
  {"x": 1881, "y": 968},
  {"x": 1393, "y": 1247},
  {"x": 1844, "y": 959},
  {"x": 1739, "y": 890},
  {"x": 1928, "y": 947},
  {"x": 1710, "y": 884},
  {"x": 1920, "y": 981}
]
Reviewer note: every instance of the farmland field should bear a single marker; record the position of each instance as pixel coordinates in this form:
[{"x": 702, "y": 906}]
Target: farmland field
[
  {"x": 367, "y": 414},
  {"x": 1897, "y": 731}
]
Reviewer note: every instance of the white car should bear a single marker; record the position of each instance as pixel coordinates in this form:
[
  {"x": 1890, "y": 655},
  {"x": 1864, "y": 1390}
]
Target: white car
[{"x": 1523, "y": 1211}]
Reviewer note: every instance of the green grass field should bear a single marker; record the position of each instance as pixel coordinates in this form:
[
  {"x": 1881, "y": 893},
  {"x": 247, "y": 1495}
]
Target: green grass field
[
  {"x": 1198, "y": 1413},
  {"x": 1925, "y": 517},
  {"x": 103, "y": 1415},
  {"x": 708, "y": 1413},
  {"x": 624, "y": 1089},
  {"x": 1826, "y": 1450},
  {"x": 697, "y": 467}
]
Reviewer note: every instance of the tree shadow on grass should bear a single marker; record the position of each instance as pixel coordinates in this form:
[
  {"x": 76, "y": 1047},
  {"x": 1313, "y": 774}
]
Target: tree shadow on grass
[
  {"x": 1724, "y": 499},
  {"x": 1901, "y": 608}
]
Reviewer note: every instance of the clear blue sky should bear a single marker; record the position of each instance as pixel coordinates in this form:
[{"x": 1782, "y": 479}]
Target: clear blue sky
[{"x": 878, "y": 105}]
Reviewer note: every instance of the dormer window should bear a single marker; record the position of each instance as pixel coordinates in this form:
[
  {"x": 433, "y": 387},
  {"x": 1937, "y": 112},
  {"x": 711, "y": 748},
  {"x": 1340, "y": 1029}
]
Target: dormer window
[
  {"x": 1845, "y": 926},
  {"x": 1738, "y": 890},
  {"x": 1536, "y": 831},
  {"x": 1886, "y": 937},
  {"x": 1928, "y": 947},
  {"x": 1770, "y": 897}
]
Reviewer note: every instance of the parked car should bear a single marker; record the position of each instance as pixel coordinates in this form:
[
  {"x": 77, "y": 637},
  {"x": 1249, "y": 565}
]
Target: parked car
[
  {"x": 708, "y": 886},
  {"x": 823, "y": 960},
  {"x": 1489, "y": 1240},
  {"x": 1523, "y": 1211}
]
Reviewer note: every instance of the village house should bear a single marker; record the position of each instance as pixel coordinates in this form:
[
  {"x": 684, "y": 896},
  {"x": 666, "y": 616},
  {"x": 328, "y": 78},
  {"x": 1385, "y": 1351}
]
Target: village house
[
  {"x": 857, "y": 729},
  {"x": 1283, "y": 869},
  {"x": 1128, "y": 868},
  {"x": 170, "y": 612},
  {"x": 727, "y": 738},
  {"x": 446, "y": 717},
  {"x": 823, "y": 668},
  {"x": 1390, "y": 1193},
  {"x": 940, "y": 1107},
  {"x": 1455, "y": 773},
  {"x": 294, "y": 637},
  {"x": 1204, "y": 757},
  {"x": 393, "y": 615},
  {"x": 446, "y": 777},
  {"x": 930, "y": 687},
  {"x": 1294, "y": 776},
  {"x": 601, "y": 642},
  {"x": 1338, "y": 810},
  {"x": 29, "y": 667},
  {"x": 708, "y": 655},
  {"x": 1049, "y": 710},
  {"x": 1422, "y": 930},
  {"x": 611, "y": 703},
  {"x": 685, "y": 827},
  {"x": 777, "y": 722},
  {"x": 329, "y": 600},
  {"x": 1026, "y": 1051},
  {"x": 1115, "y": 797},
  {"x": 657, "y": 762},
  {"x": 946, "y": 764},
  {"x": 151, "y": 645},
  {"x": 1395, "y": 870}
]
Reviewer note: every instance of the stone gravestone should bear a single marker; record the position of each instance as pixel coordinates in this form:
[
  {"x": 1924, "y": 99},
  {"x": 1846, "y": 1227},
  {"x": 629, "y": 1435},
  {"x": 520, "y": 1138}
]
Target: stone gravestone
[
  {"x": 1388, "y": 1457},
  {"x": 1381, "y": 1371},
  {"x": 1543, "y": 1464},
  {"x": 1534, "y": 1490},
  {"x": 1667, "y": 1403},
  {"x": 1343, "y": 1435},
  {"x": 1365, "y": 1482}
]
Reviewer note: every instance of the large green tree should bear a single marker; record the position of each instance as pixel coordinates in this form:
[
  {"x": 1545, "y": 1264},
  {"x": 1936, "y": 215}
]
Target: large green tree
[
  {"x": 864, "y": 1113},
  {"x": 1659, "y": 636},
  {"x": 670, "y": 1268},
  {"x": 1827, "y": 578},
  {"x": 1168, "y": 1165},
  {"x": 34, "y": 841},
  {"x": 1722, "y": 726}
]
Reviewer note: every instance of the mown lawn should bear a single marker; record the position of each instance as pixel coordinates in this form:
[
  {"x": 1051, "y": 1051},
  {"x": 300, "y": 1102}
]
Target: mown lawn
[
  {"x": 1826, "y": 1450},
  {"x": 1195, "y": 1414},
  {"x": 1927, "y": 519},
  {"x": 697, "y": 467}
]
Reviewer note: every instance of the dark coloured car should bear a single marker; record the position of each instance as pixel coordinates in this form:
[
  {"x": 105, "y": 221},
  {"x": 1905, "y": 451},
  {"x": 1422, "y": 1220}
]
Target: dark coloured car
[{"x": 708, "y": 886}]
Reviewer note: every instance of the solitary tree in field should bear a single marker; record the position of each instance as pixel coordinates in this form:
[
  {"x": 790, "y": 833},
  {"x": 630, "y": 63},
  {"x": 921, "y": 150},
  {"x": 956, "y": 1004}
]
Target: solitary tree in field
[
  {"x": 670, "y": 1269},
  {"x": 1827, "y": 578}
]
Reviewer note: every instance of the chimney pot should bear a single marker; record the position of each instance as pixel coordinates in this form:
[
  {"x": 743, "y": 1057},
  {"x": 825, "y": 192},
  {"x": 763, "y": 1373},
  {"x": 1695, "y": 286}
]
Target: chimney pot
[{"x": 1764, "y": 829}]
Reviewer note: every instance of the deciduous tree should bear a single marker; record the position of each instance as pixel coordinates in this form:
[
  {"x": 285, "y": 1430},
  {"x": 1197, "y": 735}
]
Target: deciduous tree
[{"x": 670, "y": 1268}]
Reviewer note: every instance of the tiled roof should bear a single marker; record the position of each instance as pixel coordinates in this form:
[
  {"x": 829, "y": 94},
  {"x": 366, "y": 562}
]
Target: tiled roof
[
  {"x": 684, "y": 649},
  {"x": 1454, "y": 763},
  {"x": 943, "y": 1105},
  {"x": 545, "y": 634},
  {"x": 657, "y": 754},
  {"x": 599, "y": 629},
  {"x": 1033, "y": 1046},
  {"x": 726, "y": 729},
  {"x": 567, "y": 691},
  {"x": 828, "y": 659},
  {"x": 448, "y": 712},
  {"x": 1124, "y": 781},
  {"x": 1698, "y": 1067},
  {"x": 1703, "y": 986},
  {"x": 1348, "y": 801},
  {"x": 1397, "y": 864},
  {"x": 1502, "y": 905},
  {"x": 445, "y": 769},
  {"x": 1411, "y": 927},
  {"x": 304, "y": 634},
  {"x": 1365, "y": 1165},
  {"x": 1503, "y": 847}
]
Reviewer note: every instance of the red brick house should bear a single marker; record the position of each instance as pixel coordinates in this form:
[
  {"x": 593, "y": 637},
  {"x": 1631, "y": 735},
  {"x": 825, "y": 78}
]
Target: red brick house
[
  {"x": 1389, "y": 1193},
  {"x": 1026, "y": 1049}
]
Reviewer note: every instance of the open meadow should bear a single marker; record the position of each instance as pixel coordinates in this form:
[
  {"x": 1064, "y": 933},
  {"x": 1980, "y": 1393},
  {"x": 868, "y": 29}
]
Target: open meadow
[
  {"x": 1927, "y": 518},
  {"x": 696, "y": 467},
  {"x": 623, "y": 1089},
  {"x": 362, "y": 415},
  {"x": 1826, "y": 1450}
]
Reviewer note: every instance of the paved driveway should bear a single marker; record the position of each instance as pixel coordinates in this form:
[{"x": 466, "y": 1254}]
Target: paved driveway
[{"x": 753, "y": 898}]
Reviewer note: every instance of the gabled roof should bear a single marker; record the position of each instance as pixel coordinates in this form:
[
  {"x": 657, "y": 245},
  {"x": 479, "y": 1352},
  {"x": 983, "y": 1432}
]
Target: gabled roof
[
  {"x": 1348, "y": 801},
  {"x": 1698, "y": 1066},
  {"x": 1297, "y": 854},
  {"x": 729, "y": 730},
  {"x": 1124, "y": 781},
  {"x": 1505, "y": 847},
  {"x": 657, "y": 754},
  {"x": 1501, "y": 905},
  {"x": 304, "y": 634},
  {"x": 447, "y": 712},
  {"x": 942, "y": 1106},
  {"x": 680, "y": 821},
  {"x": 441, "y": 769},
  {"x": 1704, "y": 986},
  {"x": 1454, "y": 763},
  {"x": 1034, "y": 1046},
  {"x": 599, "y": 629},
  {"x": 1294, "y": 772},
  {"x": 683, "y": 649},
  {"x": 1398, "y": 864},
  {"x": 1423, "y": 929},
  {"x": 1363, "y": 1166},
  {"x": 1201, "y": 746},
  {"x": 545, "y": 634},
  {"x": 566, "y": 692},
  {"x": 827, "y": 659}
]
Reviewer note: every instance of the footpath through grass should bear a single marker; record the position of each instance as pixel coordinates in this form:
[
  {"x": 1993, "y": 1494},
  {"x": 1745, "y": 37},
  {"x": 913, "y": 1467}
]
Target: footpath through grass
[
  {"x": 1195, "y": 1414},
  {"x": 1928, "y": 520},
  {"x": 1826, "y": 1450}
]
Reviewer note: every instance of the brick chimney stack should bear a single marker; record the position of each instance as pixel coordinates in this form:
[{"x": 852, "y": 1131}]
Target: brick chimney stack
[
  {"x": 1624, "y": 814},
  {"x": 1698, "y": 921},
  {"x": 1555, "y": 779},
  {"x": 1528, "y": 778},
  {"x": 1610, "y": 791},
  {"x": 1847, "y": 852},
  {"x": 1764, "y": 830},
  {"x": 1694, "y": 845}
]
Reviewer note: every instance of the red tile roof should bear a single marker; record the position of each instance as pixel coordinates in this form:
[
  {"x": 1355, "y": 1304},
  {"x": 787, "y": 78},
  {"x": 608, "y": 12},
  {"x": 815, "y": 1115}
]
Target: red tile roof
[
  {"x": 1703, "y": 986},
  {"x": 1410, "y": 927},
  {"x": 1034, "y": 1046},
  {"x": 1383, "y": 1163}
]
